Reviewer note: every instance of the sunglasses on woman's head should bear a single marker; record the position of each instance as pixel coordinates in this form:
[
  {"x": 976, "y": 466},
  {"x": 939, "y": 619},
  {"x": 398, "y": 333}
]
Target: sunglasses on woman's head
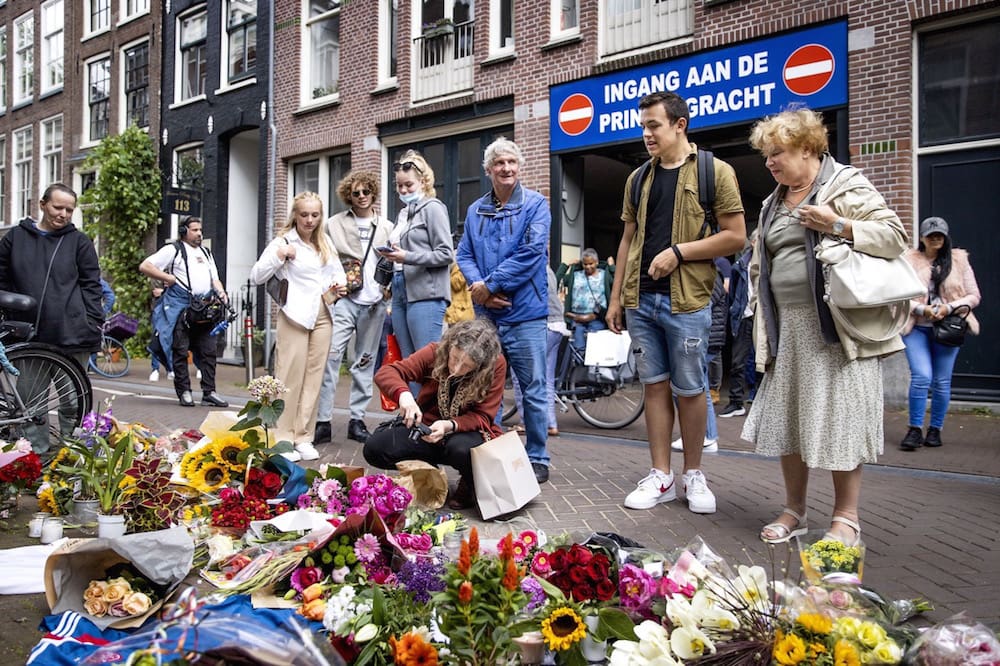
[
  {"x": 361, "y": 193},
  {"x": 407, "y": 166}
]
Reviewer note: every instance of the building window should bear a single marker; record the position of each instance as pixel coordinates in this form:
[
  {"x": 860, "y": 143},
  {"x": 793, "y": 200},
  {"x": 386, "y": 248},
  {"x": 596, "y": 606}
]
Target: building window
[
  {"x": 137, "y": 85},
  {"x": 23, "y": 168},
  {"x": 501, "y": 25},
  {"x": 52, "y": 45},
  {"x": 189, "y": 168},
  {"x": 565, "y": 17},
  {"x": 87, "y": 215},
  {"x": 3, "y": 68},
  {"x": 388, "y": 21},
  {"x": 959, "y": 84},
  {"x": 133, "y": 8},
  {"x": 321, "y": 175},
  {"x": 193, "y": 43},
  {"x": 241, "y": 27},
  {"x": 52, "y": 144},
  {"x": 3, "y": 181},
  {"x": 24, "y": 58},
  {"x": 98, "y": 15},
  {"x": 322, "y": 70},
  {"x": 98, "y": 97}
]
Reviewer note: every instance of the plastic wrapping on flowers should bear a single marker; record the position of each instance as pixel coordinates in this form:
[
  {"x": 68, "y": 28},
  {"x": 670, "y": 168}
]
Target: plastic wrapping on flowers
[{"x": 960, "y": 641}]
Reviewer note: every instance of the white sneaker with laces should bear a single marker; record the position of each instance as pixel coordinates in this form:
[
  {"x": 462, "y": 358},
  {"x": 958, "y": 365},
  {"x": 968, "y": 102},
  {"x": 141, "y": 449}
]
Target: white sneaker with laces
[
  {"x": 154, "y": 376},
  {"x": 293, "y": 456},
  {"x": 307, "y": 450},
  {"x": 197, "y": 375},
  {"x": 700, "y": 498},
  {"x": 711, "y": 445},
  {"x": 170, "y": 376},
  {"x": 655, "y": 489}
]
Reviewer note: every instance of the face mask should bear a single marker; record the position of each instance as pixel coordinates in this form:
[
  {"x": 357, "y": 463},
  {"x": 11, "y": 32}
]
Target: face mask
[{"x": 412, "y": 197}]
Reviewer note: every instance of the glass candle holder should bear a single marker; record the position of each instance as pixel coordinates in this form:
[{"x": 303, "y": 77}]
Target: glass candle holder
[{"x": 35, "y": 524}]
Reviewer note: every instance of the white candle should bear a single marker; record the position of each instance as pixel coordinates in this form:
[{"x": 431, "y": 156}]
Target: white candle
[
  {"x": 52, "y": 530},
  {"x": 35, "y": 524}
]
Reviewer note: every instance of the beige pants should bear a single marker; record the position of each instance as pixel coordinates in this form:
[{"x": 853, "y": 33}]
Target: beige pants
[{"x": 301, "y": 360}]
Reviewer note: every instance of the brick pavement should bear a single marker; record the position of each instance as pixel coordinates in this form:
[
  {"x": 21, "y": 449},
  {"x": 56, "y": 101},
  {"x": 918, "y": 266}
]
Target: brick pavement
[{"x": 930, "y": 518}]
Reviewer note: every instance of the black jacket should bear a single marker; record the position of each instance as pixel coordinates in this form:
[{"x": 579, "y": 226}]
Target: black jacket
[{"x": 69, "y": 311}]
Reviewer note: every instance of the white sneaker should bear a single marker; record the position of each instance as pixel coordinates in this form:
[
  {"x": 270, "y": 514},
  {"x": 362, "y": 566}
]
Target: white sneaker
[
  {"x": 700, "y": 498},
  {"x": 655, "y": 489},
  {"x": 292, "y": 456},
  {"x": 711, "y": 445},
  {"x": 197, "y": 375},
  {"x": 307, "y": 450},
  {"x": 170, "y": 376},
  {"x": 154, "y": 376}
]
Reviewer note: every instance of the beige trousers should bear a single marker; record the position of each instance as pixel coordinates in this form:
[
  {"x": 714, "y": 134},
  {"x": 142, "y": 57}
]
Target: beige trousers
[{"x": 301, "y": 360}]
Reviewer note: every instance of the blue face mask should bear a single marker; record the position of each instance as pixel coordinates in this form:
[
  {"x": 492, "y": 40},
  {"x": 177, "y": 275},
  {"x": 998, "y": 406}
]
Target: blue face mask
[{"x": 412, "y": 197}]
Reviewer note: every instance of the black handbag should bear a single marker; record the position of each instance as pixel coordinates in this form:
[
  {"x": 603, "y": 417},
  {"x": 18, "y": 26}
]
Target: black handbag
[
  {"x": 950, "y": 331},
  {"x": 277, "y": 288},
  {"x": 383, "y": 271}
]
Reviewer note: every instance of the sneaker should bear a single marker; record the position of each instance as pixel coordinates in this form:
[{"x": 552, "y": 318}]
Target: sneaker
[
  {"x": 213, "y": 400},
  {"x": 323, "y": 434},
  {"x": 170, "y": 376},
  {"x": 292, "y": 456},
  {"x": 197, "y": 375},
  {"x": 913, "y": 439},
  {"x": 700, "y": 498},
  {"x": 307, "y": 451},
  {"x": 357, "y": 431},
  {"x": 655, "y": 489},
  {"x": 154, "y": 376},
  {"x": 733, "y": 409},
  {"x": 186, "y": 399},
  {"x": 933, "y": 437},
  {"x": 711, "y": 445}
]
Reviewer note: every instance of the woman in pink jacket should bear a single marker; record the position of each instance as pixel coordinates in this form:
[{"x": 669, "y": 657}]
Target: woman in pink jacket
[{"x": 950, "y": 284}]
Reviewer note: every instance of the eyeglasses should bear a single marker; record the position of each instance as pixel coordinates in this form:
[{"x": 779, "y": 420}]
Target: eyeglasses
[
  {"x": 407, "y": 166},
  {"x": 360, "y": 193}
]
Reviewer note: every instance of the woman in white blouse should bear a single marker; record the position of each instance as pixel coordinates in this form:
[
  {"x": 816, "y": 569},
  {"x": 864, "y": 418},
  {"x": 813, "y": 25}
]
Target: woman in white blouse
[{"x": 302, "y": 254}]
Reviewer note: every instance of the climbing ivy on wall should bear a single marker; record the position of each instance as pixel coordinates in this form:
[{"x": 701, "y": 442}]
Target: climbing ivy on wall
[{"x": 120, "y": 208}]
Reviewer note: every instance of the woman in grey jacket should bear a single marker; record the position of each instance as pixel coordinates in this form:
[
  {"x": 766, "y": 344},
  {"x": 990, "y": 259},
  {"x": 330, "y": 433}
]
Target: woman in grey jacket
[{"x": 420, "y": 245}]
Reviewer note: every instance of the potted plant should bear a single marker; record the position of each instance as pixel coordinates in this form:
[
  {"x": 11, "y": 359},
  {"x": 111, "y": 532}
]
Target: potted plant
[
  {"x": 440, "y": 28},
  {"x": 102, "y": 468},
  {"x": 151, "y": 503}
]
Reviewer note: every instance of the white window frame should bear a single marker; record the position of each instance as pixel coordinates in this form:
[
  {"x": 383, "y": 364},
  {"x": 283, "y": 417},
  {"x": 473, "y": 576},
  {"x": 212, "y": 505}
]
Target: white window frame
[
  {"x": 22, "y": 186},
  {"x": 226, "y": 77},
  {"x": 88, "y": 102},
  {"x": 387, "y": 11},
  {"x": 103, "y": 23},
  {"x": 24, "y": 58},
  {"x": 558, "y": 32},
  {"x": 3, "y": 69},
  {"x": 53, "y": 15},
  {"x": 3, "y": 182},
  {"x": 51, "y": 146},
  {"x": 496, "y": 47},
  {"x": 132, "y": 9},
  {"x": 326, "y": 183},
  {"x": 180, "y": 70},
  {"x": 308, "y": 64},
  {"x": 123, "y": 116}
]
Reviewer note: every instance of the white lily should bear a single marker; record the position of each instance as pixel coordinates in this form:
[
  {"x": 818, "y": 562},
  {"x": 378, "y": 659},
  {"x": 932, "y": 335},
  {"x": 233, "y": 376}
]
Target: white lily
[
  {"x": 702, "y": 603},
  {"x": 679, "y": 611},
  {"x": 689, "y": 642},
  {"x": 719, "y": 619},
  {"x": 751, "y": 585},
  {"x": 366, "y": 633},
  {"x": 652, "y": 648}
]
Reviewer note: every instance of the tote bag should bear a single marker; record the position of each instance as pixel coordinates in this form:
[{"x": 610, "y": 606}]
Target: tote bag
[{"x": 503, "y": 476}]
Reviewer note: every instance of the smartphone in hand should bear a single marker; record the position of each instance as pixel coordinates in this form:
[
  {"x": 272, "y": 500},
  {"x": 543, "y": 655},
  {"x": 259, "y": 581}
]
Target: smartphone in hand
[{"x": 385, "y": 248}]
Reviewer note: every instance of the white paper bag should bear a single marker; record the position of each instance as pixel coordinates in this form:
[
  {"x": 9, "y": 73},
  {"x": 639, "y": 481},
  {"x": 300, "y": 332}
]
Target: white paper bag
[
  {"x": 503, "y": 475},
  {"x": 607, "y": 349}
]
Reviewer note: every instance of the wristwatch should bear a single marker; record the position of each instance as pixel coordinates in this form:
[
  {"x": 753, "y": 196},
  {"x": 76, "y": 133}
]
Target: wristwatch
[{"x": 838, "y": 226}]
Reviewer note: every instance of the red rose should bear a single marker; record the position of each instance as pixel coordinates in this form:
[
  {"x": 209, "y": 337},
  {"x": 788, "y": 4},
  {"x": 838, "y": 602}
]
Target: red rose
[
  {"x": 578, "y": 575},
  {"x": 605, "y": 589},
  {"x": 558, "y": 559},
  {"x": 580, "y": 555},
  {"x": 272, "y": 482},
  {"x": 582, "y": 592},
  {"x": 597, "y": 569}
]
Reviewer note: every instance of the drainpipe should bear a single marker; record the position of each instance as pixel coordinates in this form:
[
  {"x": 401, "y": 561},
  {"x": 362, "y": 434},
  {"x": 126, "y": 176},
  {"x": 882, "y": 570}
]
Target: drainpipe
[{"x": 272, "y": 158}]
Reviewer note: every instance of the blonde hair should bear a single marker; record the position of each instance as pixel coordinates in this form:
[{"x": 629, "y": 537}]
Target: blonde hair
[
  {"x": 425, "y": 173},
  {"x": 478, "y": 339},
  {"x": 796, "y": 128},
  {"x": 320, "y": 241}
]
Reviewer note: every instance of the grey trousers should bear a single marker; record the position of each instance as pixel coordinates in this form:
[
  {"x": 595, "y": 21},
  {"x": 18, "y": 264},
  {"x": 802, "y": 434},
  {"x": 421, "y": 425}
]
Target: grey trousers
[{"x": 364, "y": 322}]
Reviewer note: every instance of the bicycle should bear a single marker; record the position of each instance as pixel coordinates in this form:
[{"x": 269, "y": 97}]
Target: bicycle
[
  {"x": 44, "y": 395},
  {"x": 605, "y": 397},
  {"x": 113, "y": 360}
]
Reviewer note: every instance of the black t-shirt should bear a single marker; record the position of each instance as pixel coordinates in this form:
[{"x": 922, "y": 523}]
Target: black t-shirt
[{"x": 659, "y": 227}]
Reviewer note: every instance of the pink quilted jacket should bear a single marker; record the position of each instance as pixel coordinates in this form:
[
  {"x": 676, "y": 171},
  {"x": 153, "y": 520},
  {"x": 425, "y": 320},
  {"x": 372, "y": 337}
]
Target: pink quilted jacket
[{"x": 959, "y": 287}]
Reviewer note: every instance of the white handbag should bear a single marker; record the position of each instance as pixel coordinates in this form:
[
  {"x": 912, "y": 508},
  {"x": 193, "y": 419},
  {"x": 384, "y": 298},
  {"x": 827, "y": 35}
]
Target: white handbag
[{"x": 868, "y": 296}]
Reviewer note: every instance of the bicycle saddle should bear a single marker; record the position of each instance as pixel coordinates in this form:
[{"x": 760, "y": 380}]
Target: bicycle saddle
[{"x": 16, "y": 302}]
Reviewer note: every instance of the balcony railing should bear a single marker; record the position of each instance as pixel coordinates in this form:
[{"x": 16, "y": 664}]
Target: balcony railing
[
  {"x": 443, "y": 61},
  {"x": 637, "y": 24}
]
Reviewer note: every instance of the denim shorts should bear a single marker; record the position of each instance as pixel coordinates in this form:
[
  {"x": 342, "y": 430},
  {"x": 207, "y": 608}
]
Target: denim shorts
[{"x": 670, "y": 345}]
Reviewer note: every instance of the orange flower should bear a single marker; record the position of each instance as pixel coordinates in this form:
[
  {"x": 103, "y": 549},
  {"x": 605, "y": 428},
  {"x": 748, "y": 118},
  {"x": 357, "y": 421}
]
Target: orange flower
[
  {"x": 465, "y": 592},
  {"x": 507, "y": 547},
  {"x": 464, "y": 561},
  {"x": 314, "y": 610},
  {"x": 511, "y": 579},
  {"x": 473, "y": 543},
  {"x": 418, "y": 652},
  {"x": 314, "y": 591}
]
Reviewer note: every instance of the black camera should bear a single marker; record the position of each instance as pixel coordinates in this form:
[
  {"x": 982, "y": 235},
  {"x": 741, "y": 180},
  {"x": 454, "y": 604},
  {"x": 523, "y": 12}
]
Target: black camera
[{"x": 418, "y": 431}]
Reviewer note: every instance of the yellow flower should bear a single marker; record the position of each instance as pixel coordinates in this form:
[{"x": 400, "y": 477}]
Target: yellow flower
[
  {"x": 563, "y": 629},
  {"x": 871, "y": 634},
  {"x": 847, "y": 627},
  {"x": 844, "y": 654},
  {"x": 815, "y": 623},
  {"x": 887, "y": 652},
  {"x": 47, "y": 501},
  {"x": 227, "y": 448},
  {"x": 789, "y": 650},
  {"x": 210, "y": 476}
]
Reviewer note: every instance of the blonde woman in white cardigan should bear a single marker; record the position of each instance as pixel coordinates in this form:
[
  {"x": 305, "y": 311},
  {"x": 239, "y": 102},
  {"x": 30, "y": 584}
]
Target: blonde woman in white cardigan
[{"x": 950, "y": 284}]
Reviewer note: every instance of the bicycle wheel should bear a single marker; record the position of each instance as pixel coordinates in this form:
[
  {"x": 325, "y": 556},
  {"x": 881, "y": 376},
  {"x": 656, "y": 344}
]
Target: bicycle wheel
[
  {"x": 54, "y": 390},
  {"x": 509, "y": 404},
  {"x": 112, "y": 360},
  {"x": 608, "y": 397}
]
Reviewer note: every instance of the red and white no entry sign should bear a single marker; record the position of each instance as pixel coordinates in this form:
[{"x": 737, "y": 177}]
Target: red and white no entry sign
[
  {"x": 575, "y": 114},
  {"x": 808, "y": 69}
]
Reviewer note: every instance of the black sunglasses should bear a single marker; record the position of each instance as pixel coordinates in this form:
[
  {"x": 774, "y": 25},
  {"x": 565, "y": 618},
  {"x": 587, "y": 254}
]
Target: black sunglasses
[
  {"x": 361, "y": 193},
  {"x": 407, "y": 166}
]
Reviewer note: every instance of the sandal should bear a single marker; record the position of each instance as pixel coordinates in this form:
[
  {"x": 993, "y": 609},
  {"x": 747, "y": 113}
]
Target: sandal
[
  {"x": 850, "y": 523},
  {"x": 784, "y": 532}
]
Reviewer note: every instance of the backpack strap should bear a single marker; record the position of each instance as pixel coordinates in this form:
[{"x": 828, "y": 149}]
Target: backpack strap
[
  {"x": 706, "y": 189},
  {"x": 637, "y": 181}
]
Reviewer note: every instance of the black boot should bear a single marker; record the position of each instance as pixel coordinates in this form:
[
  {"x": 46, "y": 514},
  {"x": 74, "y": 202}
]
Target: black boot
[
  {"x": 323, "y": 434},
  {"x": 357, "y": 431},
  {"x": 933, "y": 437},
  {"x": 914, "y": 438}
]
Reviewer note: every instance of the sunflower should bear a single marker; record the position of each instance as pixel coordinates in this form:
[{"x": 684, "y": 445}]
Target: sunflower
[
  {"x": 227, "y": 449},
  {"x": 789, "y": 650},
  {"x": 47, "y": 501},
  {"x": 815, "y": 623},
  {"x": 563, "y": 629},
  {"x": 845, "y": 654},
  {"x": 210, "y": 476},
  {"x": 194, "y": 459}
]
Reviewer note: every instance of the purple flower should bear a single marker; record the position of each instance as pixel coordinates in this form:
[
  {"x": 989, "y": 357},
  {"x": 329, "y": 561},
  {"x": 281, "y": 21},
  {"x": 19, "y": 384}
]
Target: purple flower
[
  {"x": 399, "y": 498},
  {"x": 304, "y": 501},
  {"x": 421, "y": 578},
  {"x": 303, "y": 577},
  {"x": 366, "y": 548},
  {"x": 533, "y": 589},
  {"x": 636, "y": 587}
]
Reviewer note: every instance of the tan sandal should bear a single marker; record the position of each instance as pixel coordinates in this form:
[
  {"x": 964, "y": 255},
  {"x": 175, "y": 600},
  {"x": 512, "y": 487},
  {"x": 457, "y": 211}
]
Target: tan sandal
[
  {"x": 850, "y": 523},
  {"x": 784, "y": 532}
]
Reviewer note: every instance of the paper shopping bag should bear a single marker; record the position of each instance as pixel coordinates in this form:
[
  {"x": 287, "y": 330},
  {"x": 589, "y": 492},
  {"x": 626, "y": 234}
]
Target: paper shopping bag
[
  {"x": 503, "y": 476},
  {"x": 607, "y": 349}
]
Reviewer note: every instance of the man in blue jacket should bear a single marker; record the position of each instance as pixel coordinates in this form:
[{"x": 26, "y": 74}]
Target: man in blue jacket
[{"x": 503, "y": 257}]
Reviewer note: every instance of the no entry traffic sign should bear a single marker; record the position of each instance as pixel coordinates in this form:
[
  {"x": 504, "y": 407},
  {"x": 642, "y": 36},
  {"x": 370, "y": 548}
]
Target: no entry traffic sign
[
  {"x": 575, "y": 114},
  {"x": 808, "y": 69}
]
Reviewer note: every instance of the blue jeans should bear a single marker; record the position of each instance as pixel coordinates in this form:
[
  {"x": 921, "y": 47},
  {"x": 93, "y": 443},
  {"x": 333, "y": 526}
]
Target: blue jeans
[
  {"x": 711, "y": 427},
  {"x": 580, "y": 333},
  {"x": 364, "y": 324},
  {"x": 931, "y": 366},
  {"x": 415, "y": 324},
  {"x": 670, "y": 346},
  {"x": 552, "y": 340},
  {"x": 524, "y": 346}
]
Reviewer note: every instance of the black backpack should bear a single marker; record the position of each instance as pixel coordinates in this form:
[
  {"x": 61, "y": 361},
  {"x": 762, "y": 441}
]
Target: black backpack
[{"x": 706, "y": 189}]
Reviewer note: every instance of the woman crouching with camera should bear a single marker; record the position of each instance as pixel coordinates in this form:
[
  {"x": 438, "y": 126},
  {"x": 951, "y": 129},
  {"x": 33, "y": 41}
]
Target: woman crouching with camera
[{"x": 462, "y": 379}]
